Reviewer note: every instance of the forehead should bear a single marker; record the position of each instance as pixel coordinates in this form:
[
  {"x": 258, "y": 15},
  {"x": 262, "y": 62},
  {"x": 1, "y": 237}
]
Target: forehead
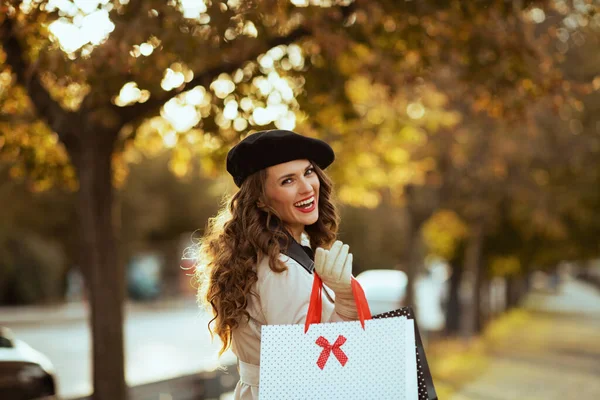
[{"x": 290, "y": 167}]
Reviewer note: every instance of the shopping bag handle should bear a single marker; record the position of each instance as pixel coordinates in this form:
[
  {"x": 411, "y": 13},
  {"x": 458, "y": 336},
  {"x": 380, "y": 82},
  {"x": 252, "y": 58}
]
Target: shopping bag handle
[{"x": 315, "y": 305}]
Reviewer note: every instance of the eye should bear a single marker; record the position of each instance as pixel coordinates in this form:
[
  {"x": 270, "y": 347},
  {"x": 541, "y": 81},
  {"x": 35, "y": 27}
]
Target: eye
[
  {"x": 286, "y": 181},
  {"x": 309, "y": 171}
]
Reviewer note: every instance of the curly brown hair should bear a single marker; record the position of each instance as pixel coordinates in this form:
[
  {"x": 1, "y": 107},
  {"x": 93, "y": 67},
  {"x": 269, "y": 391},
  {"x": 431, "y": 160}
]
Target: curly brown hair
[{"x": 235, "y": 241}]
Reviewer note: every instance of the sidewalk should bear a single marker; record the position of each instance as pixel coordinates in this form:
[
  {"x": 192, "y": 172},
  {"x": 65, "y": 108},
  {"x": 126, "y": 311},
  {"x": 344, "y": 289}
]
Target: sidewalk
[
  {"x": 76, "y": 311},
  {"x": 552, "y": 353}
]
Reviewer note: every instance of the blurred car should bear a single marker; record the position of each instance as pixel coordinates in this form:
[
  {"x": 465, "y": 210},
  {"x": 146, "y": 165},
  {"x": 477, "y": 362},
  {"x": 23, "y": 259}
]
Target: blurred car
[
  {"x": 25, "y": 373},
  {"x": 384, "y": 289},
  {"x": 144, "y": 276}
]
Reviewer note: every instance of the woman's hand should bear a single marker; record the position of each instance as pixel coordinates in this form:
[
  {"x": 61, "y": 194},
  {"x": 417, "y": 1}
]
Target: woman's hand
[{"x": 334, "y": 266}]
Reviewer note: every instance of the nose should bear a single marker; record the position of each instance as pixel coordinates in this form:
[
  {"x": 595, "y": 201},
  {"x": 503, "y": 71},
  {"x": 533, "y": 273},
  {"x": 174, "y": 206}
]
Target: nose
[{"x": 305, "y": 185}]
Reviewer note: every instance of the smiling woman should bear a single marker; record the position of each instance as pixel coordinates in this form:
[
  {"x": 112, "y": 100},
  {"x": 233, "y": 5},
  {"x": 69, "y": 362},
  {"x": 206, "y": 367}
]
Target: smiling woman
[{"x": 246, "y": 278}]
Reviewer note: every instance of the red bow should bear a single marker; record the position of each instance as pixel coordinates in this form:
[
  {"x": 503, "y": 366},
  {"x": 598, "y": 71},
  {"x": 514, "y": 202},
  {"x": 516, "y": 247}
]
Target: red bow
[{"x": 328, "y": 348}]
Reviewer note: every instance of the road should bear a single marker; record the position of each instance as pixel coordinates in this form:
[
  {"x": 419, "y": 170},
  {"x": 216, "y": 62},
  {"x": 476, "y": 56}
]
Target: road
[
  {"x": 160, "y": 343},
  {"x": 554, "y": 356}
]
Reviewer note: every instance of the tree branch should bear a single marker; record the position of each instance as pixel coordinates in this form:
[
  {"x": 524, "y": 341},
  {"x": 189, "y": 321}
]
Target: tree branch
[
  {"x": 131, "y": 113},
  {"x": 47, "y": 108},
  {"x": 17, "y": 119}
]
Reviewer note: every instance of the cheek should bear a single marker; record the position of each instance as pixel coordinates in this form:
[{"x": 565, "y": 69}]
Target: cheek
[
  {"x": 316, "y": 185},
  {"x": 280, "y": 198}
]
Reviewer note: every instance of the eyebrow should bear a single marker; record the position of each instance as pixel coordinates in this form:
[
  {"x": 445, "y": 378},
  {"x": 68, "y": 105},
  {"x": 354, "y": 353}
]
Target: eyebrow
[{"x": 290, "y": 175}]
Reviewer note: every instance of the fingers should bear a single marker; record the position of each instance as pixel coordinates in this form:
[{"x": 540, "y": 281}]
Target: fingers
[
  {"x": 338, "y": 267},
  {"x": 320, "y": 257},
  {"x": 332, "y": 256},
  {"x": 336, "y": 259},
  {"x": 346, "y": 272},
  {"x": 335, "y": 263}
]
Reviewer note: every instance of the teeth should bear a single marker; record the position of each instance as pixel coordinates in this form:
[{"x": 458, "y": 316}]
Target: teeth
[{"x": 307, "y": 201}]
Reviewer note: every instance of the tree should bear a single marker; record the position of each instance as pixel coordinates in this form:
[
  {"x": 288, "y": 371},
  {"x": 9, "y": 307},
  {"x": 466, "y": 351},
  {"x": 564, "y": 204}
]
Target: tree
[
  {"x": 195, "y": 77},
  {"x": 73, "y": 92}
]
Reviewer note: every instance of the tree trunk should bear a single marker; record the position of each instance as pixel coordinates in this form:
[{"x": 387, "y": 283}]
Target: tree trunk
[
  {"x": 469, "y": 282},
  {"x": 521, "y": 288},
  {"x": 412, "y": 260},
  {"x": 421, "y": 201},
  {"x": 453, "y": 303},
  {"x": 103, "y": 272},
  {"x": 508, "y": 291},
  {"x": 482, "y": 303},
  {"x": 511, "y": 292}
]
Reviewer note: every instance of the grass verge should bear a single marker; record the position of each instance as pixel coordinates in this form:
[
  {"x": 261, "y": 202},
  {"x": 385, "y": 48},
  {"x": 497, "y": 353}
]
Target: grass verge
[{"x": 455, "y": 362}]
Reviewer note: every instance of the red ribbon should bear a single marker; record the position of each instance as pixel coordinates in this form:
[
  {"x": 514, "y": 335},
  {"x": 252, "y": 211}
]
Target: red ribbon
[
  {"x": 362, "y": 306},
  {"x": 328, "y": 348},
  {"x": 316, "y": 303}
]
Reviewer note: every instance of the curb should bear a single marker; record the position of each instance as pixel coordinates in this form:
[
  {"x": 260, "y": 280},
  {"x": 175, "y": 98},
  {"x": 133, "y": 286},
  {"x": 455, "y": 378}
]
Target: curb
[
  {"x": 208, "y": 385},
  {"x": 77, "y": 311}
]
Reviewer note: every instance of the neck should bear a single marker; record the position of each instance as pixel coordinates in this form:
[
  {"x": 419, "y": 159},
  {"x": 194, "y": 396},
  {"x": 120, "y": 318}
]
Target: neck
[{"x": 296, "y": 232}]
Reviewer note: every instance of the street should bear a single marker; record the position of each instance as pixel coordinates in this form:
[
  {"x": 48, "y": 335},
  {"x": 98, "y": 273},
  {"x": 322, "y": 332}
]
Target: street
[
  {"x": 160, "y": 343},
  {"x": 553, "y": 354}
]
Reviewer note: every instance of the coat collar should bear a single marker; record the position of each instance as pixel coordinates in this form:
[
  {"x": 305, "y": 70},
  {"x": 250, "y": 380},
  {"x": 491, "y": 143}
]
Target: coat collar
[{"x": 303, "y": 255}]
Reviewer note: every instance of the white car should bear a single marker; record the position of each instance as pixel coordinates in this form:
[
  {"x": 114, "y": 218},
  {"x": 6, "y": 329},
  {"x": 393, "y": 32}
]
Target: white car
[
  {"x": 385, "y": 289},
  {"x": 25, "y": 373}
]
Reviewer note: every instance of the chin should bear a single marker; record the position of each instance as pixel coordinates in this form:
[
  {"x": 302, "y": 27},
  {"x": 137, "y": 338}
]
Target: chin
[{"x": 312, "y": 219}]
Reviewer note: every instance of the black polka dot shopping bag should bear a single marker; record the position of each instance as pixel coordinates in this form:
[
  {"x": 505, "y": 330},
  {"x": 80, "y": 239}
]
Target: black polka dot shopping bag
[
  {"x": 372, "y": 358},
  {"x": 424, "y": 379}
]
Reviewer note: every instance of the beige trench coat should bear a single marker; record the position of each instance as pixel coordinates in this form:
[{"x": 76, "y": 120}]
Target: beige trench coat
[{"x": 283, "y": 299}]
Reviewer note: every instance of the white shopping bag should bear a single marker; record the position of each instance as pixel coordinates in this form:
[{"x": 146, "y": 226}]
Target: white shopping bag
[{"x": 356, "y": 360}]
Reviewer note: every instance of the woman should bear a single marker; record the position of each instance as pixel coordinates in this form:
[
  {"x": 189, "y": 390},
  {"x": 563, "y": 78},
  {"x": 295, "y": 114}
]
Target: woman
[{"x": 284, "y": 200}]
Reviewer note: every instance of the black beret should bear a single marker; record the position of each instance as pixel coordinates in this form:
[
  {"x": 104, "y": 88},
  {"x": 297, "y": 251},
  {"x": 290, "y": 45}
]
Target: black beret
[{"x": 267, "y": 148}]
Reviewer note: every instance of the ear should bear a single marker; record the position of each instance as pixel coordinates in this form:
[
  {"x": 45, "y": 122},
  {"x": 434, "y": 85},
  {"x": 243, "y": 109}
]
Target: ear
[{"x": 260, "y": 204}]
